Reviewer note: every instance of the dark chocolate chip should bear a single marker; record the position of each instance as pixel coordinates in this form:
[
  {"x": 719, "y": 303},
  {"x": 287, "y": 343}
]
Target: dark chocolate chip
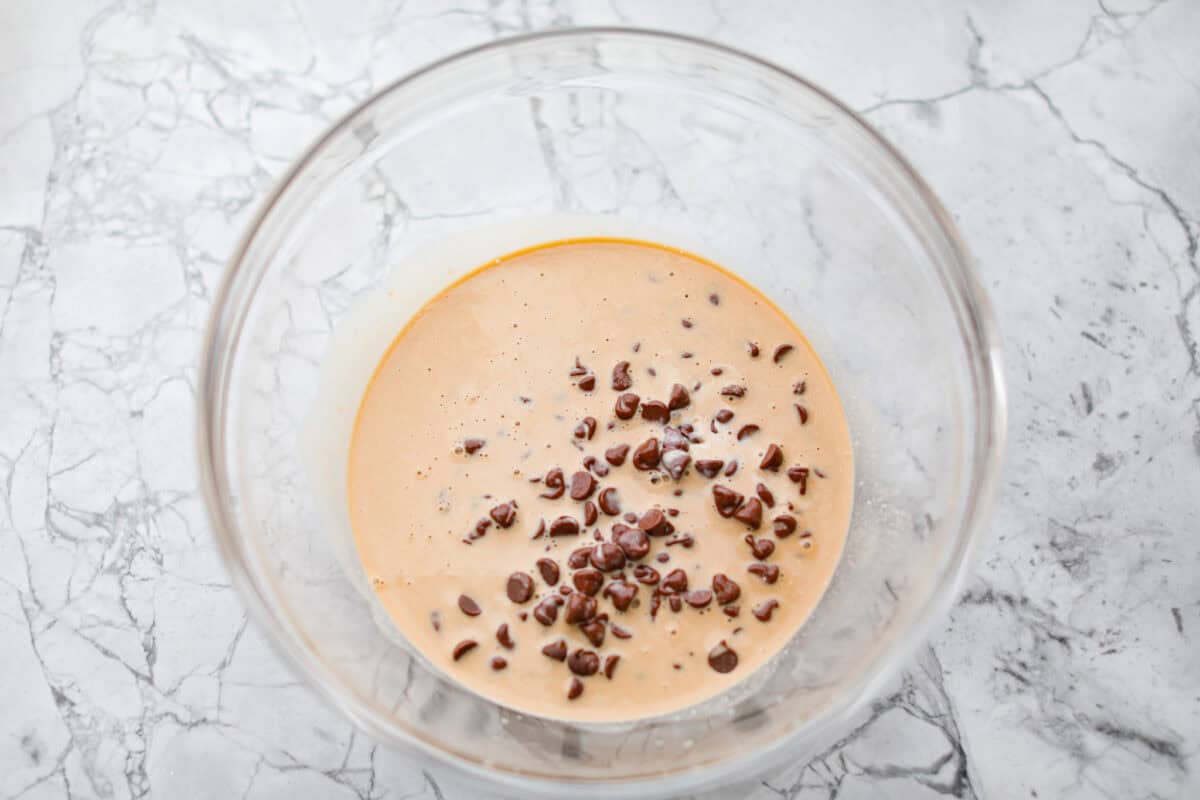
[
  {"x": 588, "y": 581},
  {"x": 564, "y": 526},
  {"x": 468, "y": 606},
  {"x": 499, "y": 663},
  {"x": 709, "y": 467},
  {"x": 732, "y": 611},
  {"x": 731, "y": 468},
  {"x": 587, "y": 383},
  {"x": 799, "y": 388},
  {"x": 768, "y": 572},
  {"x": 765, "y": 495},
  {"x": 607, "y": 557},
  {"x": 685, "y": 322},
  {"x": 594, "y": 631},
  {"x": 773, "y": 459},
  {"x": 655, "y": 602},
  {"x": 504, "y": 637},
  {"x": 802, "y": 412},
  {"x": 620, "y": 632},
  {"x": 752, "y": 348},
  {"x": 590, "y": 513},
  {"x": 784, "y": 525},
  {"x": 698, "y": 598},
  {"x": 674, "y": 439},
  {"x": 610, "y": 665},
  {"x": 464, "y": 647},
  {"x": 610, "y": 501},
  {"x": 674, "y": 462},
  {"x": 575, "y": 689},
  {"x": 556, "y": 650},
  {"x": 655, "y": 411},
  {"x": 750, "y": 513},
  {"x": 626, "y": 405},
  {"x": 520, "y": 587},
  {"x": 725, "y": 588},
  {"x": 583, "y": 662},
  {"x": 733, "y": 390},
  {"x": 676, "y": 582},
  {"x": 726, "y": 499},
  {"x": 646, "y": 574},
  {"x": 621, "y": 379},
  {"x": 616, "y": 454},
  {"x": 799, "y": 475},
  {"x": 716, "y": 371},
  {"x": 762, "y": 548},
  {"x": 582, "y": 485},
  {"x": 546, "y": 611},
  {"x": 722, "y": 658},
  {"x": 685, "y": 539},
  {"x": 586, "y": 429},
  {"x": 662, "y": 558},
  {"x": 655, "y": 523},
  {"x": 555, "y": 484},
  {"x": 762, "y": 612},
  {"x": 746, "y": 430},
  {"x": 549, "y": 570},
  {"x": 580, "y": 608},
  {"x": 646, "y": 456},
  {"x": 579, "y": 558},
  {"x": 781, "y": 351},
  {"x": 504, "y": 514},
  {"x": 632, "y": 541},
  {"x": 621, "y": 593},
  {"x": 679, "y": 398},
  {"x": 473, "y": 446},
  {"x": 541, "y": 529},
  {"x": 724, "y": 415},
  {"x": 595, "y": 465},
  {"x": 676, "y": 603}
]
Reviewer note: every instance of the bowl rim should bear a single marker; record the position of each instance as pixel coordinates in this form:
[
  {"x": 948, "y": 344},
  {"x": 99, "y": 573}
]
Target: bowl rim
[{"x": 223, "y": 332}]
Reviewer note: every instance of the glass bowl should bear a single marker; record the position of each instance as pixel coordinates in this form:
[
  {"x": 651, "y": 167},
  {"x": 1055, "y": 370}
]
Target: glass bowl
[{"x": 583, "y": 132}]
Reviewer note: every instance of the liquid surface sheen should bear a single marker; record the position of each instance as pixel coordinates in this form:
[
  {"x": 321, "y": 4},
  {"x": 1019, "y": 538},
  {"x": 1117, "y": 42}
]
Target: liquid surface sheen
[{"x": 495, "y": 384}]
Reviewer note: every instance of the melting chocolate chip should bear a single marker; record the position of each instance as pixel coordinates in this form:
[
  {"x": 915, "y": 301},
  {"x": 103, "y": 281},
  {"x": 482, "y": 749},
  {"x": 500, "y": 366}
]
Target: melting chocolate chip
[
  {"x": 555, "y": 484},
  {"x": 621, "y": 379},
  {"x": 575, "y": 689},
  {"x": 725, "y": 589},
  {"x": 620, "y": 632},
  {"x": 724, "y": 415},
  {"x": 621, "y": 593},
  {"x": 799, "y": 388},
  {"x": 746, "y": 430},
  {"x": 762, "y": 612},
  {"x": 722, "y": 658},
  {"x": 498, "y": 663},
  {"x": 799, "y": 475},
  {"x": 464, "y": 647},
  {"x": 750, "y": 513},
  {"x": 556, "y": 650},
  {"x": 698, "y": 598},
  {"x": 468, "y": 606},
  {"x": 784, "y": 525},
  {"x": 549, "y": 570},
  {"x": 675, "y": 582},
  {"x": 709, "y": 467},
  {"x": 676, "y": 603},
  {"x": 765, "y": 495},
  {"x": 732, "y": 611},
  {"x": 781, "y": 351},
  {"x": 582, "y": 485},
  {"x": 616, "y": 454},
  {"x": 655, "y": 523},
  {"x": 752, "y": 348},
  {"x": 504, "y": 514},
  {"x": 626, "y": 405},
  {"x": 655, "y": 411},
  {"x": 773, "y": 459},
  {"x": 473, "y": 446},
  {"x": 586, "y": 429},
  {"x": 595, "y": 465},
  {"x": 733, "y": 390},
  {"x": 655, "y": 603},
  {"x": 646, "y": 456},
  {"x": 607, "y": 557},
  {"x": 802, "y": 412},
  {"x": 674, "y": 462},
  {"x": 731, "y": 468},
  {"x": 594, "y": 631},
  {"x": 546, "y": 611},
  {"x": 579, "y": 558},
  {"x": 684, "y": 539},
  {"x": 610, "y": 501},
  {"x": 580, "y": 608},
  {"x": 727, "y": 500},
  {"x": 583, "y": 662},
  {"x": 762, "y": 548},
  {"x": 674, "y": 439},
  {"x": 632, "y": 541},
  {"x": 679, "y": 398},
  {"x": 610, "y": 665},
  {"x": 768, "y": 572},
  {"x": 588, "y": 581},
  {"x": 519, "y": 587},
  {"x": 646, "y": 574},
  {"x": 564, "y": 526}
]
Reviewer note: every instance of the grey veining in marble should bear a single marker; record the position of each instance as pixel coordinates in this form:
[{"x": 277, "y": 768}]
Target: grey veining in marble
[{"x": 135, "y": 139}]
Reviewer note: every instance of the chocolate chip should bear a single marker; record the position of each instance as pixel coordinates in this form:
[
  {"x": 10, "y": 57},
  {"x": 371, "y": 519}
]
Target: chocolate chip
[
  {"x": 616, "y": 454},
  {"x": 464, "y": 647},
  {"x": 546, "y": 611},
  {"x": 715, "y": 299},
  {"x": 765, "y": 495},
  {"x": 555, "y": 484},
  {"x": 586, "y": 429},
  {"x": 768, "y": 572},
  {"x": 803, "y": 414},
  {"x": 762, "y": 612},
  {"x": 724, "y": 415},
  {"x": 662, "y": 558},
  {"x": 726, "y": 499},
  {"x": 621, "y": 593},
  {"x": 732, "y": 611},
  {"x": 582, "y": 485},
  {"x": 731, "y": 468},
  {"x": 610, "y": 665},
  {"x": 620, "y": 632},
  {"x": 549, "y": 570},
  {"x": 626, "y": 405},
  {"x": 520, "y": 587},
  {"x": 498, "y": 663},
  {"x": 580, "y": 608},
  {"x": 722, "y": 658},
  {"x": 725, "y": 588},
  {"x": 687, "y": 323},
  {"x": 750, "y": 513},
  {"x": 655, "y": 523},
  {"x": 684, "y": 539},
  {"x": 583, "y": 662},
  {"x": 655, "y": 602},
  {"x": 610, "y": 501},
  {"x": 784, "y": 525},
  {"x": 709, "y": 467},
  {"x": 676, "y": 603},
  {"x": 698, "y": 598},
  {"x": 676, "y": 582},
  {"x": 679, "y": 398},
  {"x": 504, "y": 514},
  {"x": 799, "y": 388},
  {"x": 579, "y": 558},
  {"x": 594, "y": 631},
  {"x": 607, "y": 557},
  {"x": 799, "y": 475},
  {"x": 556, "y": 650},
  {"x": 752, "y": 348},
  {"x": 504, "y": 637},
  {"x": 575, "y": 689},
  {"x": 590, "y": 513},
  {"x": 674, "y": 439},
  {"x": 595, "y": 465},
  {"x": 632, "y": 541},
  {"x": 541, "y": 529},
  {"x": 674, "y": 462},
  {"x": 648, "y": 575},
  {"x": 773, "y": 459},
  {"x": 781, "y": 351},
  {"x": 733, "y": 390},
  {"x": 646, "y": 456},
  {"x": 481, "y": 527},
  {"x": 435, "y": 619},
  {"x": 473, "y": 446},
  {"x": 655, "y": 411},
  {"x": 565, "y": 590},
  {"x": 588, "y": 581},
  {"x": 564, "y": 526},
  {"x": 746, "y": 430},
  {"x": 762, "y": 548},
  {"x": 621, "y": 379},
  {"x": 587, "y": 383},
  {"x": 468, "y": 606}
]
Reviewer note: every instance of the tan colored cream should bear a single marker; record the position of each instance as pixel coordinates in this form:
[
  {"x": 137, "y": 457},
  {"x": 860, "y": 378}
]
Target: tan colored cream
[{"x": 491, "y": 359}]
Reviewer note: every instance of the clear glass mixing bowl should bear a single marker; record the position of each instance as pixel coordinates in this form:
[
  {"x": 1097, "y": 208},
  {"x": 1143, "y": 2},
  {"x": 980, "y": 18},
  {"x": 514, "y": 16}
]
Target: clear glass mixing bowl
[{"x": 740, "y": 161}]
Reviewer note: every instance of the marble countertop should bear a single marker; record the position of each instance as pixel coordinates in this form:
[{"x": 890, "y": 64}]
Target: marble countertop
[{"x": 136, "y": 137}]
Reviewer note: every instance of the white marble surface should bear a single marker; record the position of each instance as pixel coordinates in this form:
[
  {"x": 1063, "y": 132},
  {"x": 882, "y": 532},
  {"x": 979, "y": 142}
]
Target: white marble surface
[{"x": 136, "y": 137}]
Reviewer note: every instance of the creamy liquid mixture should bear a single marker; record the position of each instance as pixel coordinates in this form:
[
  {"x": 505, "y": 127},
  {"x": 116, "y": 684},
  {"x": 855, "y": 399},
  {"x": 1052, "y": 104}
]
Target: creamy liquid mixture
[{"x": 535, "y": 513}]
